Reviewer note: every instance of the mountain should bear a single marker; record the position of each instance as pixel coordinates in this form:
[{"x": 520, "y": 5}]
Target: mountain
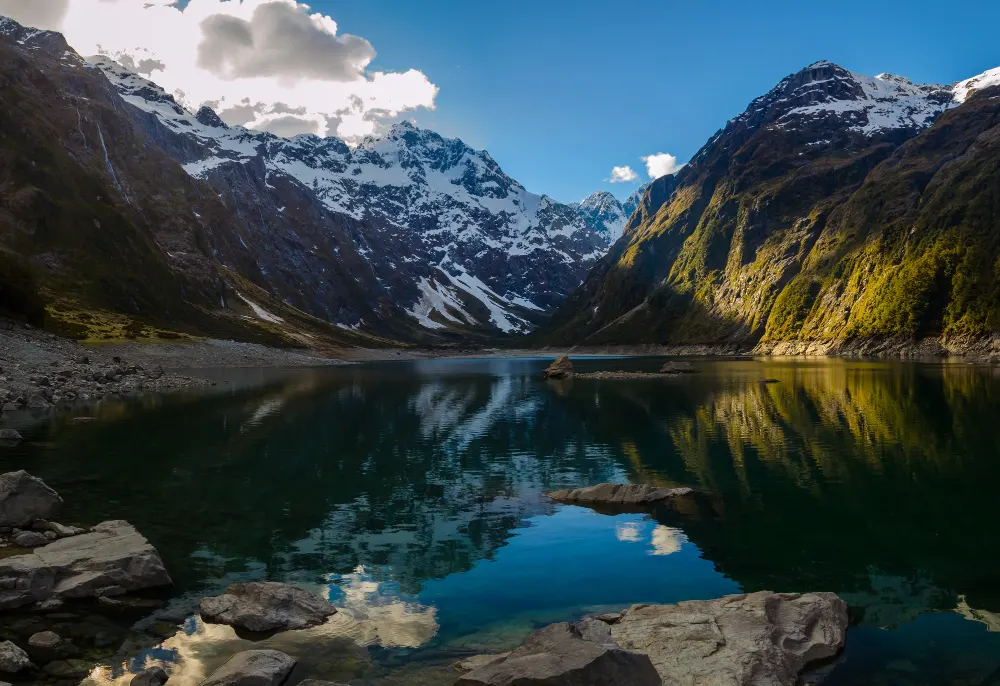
[
  {"x": 838, "y": 207},
  {"x": 604, "y": 213},
  {"x": 408, "y": 236},
  {"x": 452, "y": 240}
]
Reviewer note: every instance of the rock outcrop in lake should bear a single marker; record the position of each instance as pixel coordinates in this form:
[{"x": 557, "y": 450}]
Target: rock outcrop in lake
[
  {"x": 253, "y": 668},
  {"x": 562, "y": 368},
  {"x": 618, "y": 494},
  {"x": 266, "y": 606},
  {"x": 110, "y": 559},
  {"x": 737, "y": 640}
]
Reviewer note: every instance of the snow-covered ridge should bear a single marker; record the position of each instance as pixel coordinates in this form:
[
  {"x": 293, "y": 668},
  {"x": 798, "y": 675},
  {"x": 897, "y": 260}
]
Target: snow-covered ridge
[
  {"x": 603, "y": 211},
  {"x": 456, "y": 208},
  {"x": 963, "y": 89}
]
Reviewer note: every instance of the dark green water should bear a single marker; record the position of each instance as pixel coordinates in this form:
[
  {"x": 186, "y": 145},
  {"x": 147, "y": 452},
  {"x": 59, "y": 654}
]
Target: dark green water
[{"x": 411, "y": 493}]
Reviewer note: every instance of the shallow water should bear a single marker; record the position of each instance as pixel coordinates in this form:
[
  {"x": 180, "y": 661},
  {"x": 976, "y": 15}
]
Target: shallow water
[{"x": 411, "y": 494}]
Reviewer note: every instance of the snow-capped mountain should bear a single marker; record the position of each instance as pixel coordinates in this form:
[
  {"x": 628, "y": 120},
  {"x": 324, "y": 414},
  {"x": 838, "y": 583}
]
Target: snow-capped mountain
[
  {"x": 607, "y": 214},
  {"x": 467, "y": 245},
  {"x": 604, "y": 212}
]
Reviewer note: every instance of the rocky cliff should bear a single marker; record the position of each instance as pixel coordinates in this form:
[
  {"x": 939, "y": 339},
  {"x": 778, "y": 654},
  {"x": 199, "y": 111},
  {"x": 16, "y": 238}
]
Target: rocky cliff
[{"x": 837, "y": 207}]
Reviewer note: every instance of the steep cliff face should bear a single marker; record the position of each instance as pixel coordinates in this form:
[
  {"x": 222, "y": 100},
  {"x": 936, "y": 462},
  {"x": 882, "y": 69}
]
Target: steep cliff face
[{"x": 808, "y": 217}]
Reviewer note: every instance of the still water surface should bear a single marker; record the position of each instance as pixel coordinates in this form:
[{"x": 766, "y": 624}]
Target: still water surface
[{"x": 411, "y": 493}]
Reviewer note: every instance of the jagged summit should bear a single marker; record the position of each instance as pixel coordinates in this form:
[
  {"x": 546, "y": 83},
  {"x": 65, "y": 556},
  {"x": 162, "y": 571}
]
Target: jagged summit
[{"x": 603, "y": 211}]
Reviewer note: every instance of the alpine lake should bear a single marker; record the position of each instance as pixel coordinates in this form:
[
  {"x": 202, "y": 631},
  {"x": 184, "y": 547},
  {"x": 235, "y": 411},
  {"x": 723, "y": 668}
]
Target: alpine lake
[{"x": 411, "y": 494}]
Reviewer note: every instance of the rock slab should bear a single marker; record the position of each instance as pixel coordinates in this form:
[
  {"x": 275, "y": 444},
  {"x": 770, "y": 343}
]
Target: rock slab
[
  {"x": 266, "y": 606},
  {"x": 24, "y": 498},
  {"x": 253, "y": 668},
  {"x": 111, "y": 559},
  {"x": 562, "y": 368},
  {"x": 618, "y": 494},
  {"x": 743, "y": 640},
  {"x": 756, "y": 639},
  {"x": 564, "y": 654}
]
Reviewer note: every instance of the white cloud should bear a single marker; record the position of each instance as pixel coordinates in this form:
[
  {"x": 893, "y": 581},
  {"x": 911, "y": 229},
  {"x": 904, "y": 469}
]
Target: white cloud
[
  {"x": 264, "y": 60},
  {"x": 661, "y": 164},
  {"x": 623, "y": 174}
]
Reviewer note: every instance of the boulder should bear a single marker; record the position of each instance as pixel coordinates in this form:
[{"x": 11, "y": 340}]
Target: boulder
[
  {"x": 253, "y": 668},
  {"x": 266, "y": 606},
  {"x": 564, "y": 654},
  {"x": 744, "y": 640},
  {"x": 30, "y": 539},
  {"x": 676, "y": 367},
  {"x": 24, "y": 498},
  {"x": 562, "y": 368},
  {"x": 58, "y": 529},
  {"x": 111, "y": 558},
  {"x": 10, "y": 435},
  {"x": 154, "y": 676},
  {"x": 12, "y": 658},
  {"x": 619, "y": 494},
  {"x": 45, "y": 639}
]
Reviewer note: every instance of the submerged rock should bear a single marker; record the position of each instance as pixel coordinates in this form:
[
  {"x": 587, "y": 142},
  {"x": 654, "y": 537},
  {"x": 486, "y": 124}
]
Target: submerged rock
[
  {"x": 24, "y": 498},
  {"x": 266, "y": 606},
  {"x": 9, "y": 435},
  {"x": 738, "y": 640},
  {"x": 564, "y": 654},
  {"x": 45, "y": 639},
  {"x": 154, "y": 676},
  {"x": 675, "y": 367},
  {"x": 111, "y": 558},
  {"x": 618, "y": 494},
  {"x": 12, "y": 658},
  {"x": 253, "y": 668},
  {"x": 562, "y": 368}
]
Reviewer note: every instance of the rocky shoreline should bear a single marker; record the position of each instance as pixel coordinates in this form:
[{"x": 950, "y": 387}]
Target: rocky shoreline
[{"x": 39, "y": 370}]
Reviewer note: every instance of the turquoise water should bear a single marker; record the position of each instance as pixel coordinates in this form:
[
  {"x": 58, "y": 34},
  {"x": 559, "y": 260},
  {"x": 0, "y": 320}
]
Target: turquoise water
[{"x": 412, "y": 493}]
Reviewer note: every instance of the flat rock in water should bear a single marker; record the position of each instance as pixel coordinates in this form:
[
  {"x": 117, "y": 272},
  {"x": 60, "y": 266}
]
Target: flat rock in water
[
  {"x": 253, "y": 668},
  {"x": 562, "y": 368},
  {"x": 678, "y": 368},
  {"x": 743, "y": 640},
  {"x": 619, "y": 494},
  {"x": 12, "y": 658},
  {"x": 111, "y": 558},
  {"x": 565, "y": 654},
  {"x": 266, "y": 606},
  {"x": 24, "y": 498}
]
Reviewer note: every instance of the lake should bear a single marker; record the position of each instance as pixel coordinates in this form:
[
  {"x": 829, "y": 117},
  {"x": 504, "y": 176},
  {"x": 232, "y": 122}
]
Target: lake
[{"x": 411, "y": 494}]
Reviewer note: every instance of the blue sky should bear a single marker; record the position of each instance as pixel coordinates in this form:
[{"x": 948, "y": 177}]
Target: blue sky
[{"x": 559, "y": 92}]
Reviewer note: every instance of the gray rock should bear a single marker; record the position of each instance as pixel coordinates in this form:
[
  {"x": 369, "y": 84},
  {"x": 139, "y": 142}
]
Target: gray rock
[
  {"x": 562, "y": 368},
  {"x": 566, "y": 654},
  {"x": 12, "y": 658},
  {"x": 744, "y": 640},
  {"x": 266, "y": 606},
  {"x": 619, "y": 494},
  {"x": 45, "y": 639},
  {"x": 30, "y": 539},
  {"x": 10, "y": 435},
  {"x": 476, "y": 661},
  {"x": 23, "y": 499},
  {"x": 50, "y": 535},
  {"x": 154, "y": 676},
  {"x": 253, "y": 668},
  {"x": 58, "y": 529},
  {"x": 112, "y": 556},
  {"x": 38, "y": 402},
  {"x": 676, "y": 367},
  {"x": 9, "y": 407}
]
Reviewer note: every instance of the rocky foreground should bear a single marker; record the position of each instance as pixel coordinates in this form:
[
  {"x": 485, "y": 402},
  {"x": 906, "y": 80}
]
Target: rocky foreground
[{"x": 39, "y": 370}]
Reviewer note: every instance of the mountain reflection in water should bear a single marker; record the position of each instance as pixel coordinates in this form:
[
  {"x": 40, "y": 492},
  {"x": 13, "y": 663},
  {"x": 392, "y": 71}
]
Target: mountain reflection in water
[{"x": 411, "y": 494}]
